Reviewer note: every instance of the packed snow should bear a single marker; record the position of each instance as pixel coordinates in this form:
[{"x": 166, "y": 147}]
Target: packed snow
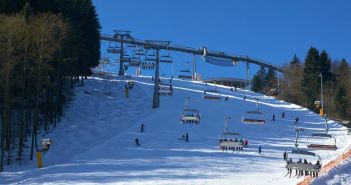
[{"x": 94, "y": 143}]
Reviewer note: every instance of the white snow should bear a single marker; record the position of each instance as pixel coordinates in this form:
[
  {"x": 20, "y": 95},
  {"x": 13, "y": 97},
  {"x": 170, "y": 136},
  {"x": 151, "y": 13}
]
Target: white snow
[{"x": 94, "y": 143}]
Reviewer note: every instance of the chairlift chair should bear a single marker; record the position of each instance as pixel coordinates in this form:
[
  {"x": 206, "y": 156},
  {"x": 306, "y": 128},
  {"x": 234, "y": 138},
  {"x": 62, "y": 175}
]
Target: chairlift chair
[
  {"x": 253, "y": 117},
  {"x": 321, "y": 143},
  {"x": 230, "y": 143},
  {"x": 148, "y": 65},
  {"x": 134, "y": 62},
  {"x": 113, "y": 49},
  {"x": 189, "y": 115},
  {"x": 226, "y": 127},
  {"x": 212, "y": 95},
  {"x": 185, "y": 74},
  {"x": 166, "y": 59},
  {"x": 314, "y": 162},
  {"x": 165, "y": 89}
]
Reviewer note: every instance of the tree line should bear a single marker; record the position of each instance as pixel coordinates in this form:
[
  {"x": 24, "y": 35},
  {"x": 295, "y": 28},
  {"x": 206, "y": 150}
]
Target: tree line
[
  {"x": 301, "y": 83},
  {"x": 47, "y": 47}
]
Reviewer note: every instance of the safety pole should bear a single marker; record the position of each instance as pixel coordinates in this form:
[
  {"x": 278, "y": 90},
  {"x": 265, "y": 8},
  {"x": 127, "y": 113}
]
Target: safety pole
[
  {"x": 126, "y": 91},
  {"x": 39, "y": 159}
]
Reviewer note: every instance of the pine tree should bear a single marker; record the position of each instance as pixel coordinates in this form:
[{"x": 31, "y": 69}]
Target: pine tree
[
  {"x": 311, "y": 79},
  {"x": 258, "y": 82},
  {"x": 325, "y": 64},
  {"x": 341, "y": 100}
]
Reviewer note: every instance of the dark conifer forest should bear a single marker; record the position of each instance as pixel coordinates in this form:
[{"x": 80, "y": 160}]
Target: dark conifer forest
[{"x": 47, "y": 47}]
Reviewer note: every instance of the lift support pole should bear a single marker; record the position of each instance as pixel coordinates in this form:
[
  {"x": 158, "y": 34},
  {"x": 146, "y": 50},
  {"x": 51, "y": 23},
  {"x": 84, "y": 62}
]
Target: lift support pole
[
  {"x": 121, "y": 60},
  {"x": 156, "y": 98}
]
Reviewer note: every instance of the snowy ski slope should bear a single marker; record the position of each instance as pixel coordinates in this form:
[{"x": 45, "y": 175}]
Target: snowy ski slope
[{"x": 94, "y": 143}]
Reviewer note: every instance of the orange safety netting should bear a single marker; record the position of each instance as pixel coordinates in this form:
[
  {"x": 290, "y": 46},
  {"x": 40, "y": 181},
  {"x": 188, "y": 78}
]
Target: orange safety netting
[{"x": 329, "y": 166}]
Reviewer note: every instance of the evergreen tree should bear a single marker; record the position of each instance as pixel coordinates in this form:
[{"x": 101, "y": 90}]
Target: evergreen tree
[
  {"x": 325, "y": 64},
  {"x": 341, "y": 100},
  {"x": 258, "y": 82},
  {"x": 295, "y": 61},
  {"x": 311, "y": 78}
]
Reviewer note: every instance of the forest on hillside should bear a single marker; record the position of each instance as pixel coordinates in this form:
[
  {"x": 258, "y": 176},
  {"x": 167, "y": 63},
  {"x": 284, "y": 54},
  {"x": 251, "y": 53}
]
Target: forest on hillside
[
  {"x": 47, "y": 47},
  {"x": 301, "y": 83}
]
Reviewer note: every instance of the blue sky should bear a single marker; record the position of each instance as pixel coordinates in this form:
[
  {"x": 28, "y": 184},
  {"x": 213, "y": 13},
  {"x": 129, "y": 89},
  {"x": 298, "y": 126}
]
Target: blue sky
[{"x": 272, "y": 30}]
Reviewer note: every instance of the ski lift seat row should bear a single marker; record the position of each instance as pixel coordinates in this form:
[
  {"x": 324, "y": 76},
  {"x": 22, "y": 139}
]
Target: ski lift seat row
[
  {"x": 302, "y": 154},
  {"x": 303, "y": 166},
  {"x": 230, "y": 143},
  {"x": 190, "y": 116},
  {"x": 321, "y": 143},
  {"x": 165, "y": 89},
  {"x": 253, "y": 117},
  {"x": 212, "y": 95}
]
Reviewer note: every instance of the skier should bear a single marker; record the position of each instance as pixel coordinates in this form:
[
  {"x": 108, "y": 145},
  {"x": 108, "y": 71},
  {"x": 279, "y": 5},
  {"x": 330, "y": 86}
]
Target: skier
[
  {"x": 142, "y": 128},
  {"x": 273, "y": 117},
  {"x": 283, "y": 115},
  {"x": 285, "y": 156},
  {"x": 186, "y": 137},
  {"x": 137, "y": 142},
  {"x": 244, "y": 98},
  {"x": 246, "y": 142},
  {"x": 259, "y": 149},
  {"x": 296, "y": 120},
  {"x": 226, "y": 98}
]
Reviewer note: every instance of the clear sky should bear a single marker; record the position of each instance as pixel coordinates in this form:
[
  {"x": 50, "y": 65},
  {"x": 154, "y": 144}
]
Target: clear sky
[{"x": 271, "y": 30}]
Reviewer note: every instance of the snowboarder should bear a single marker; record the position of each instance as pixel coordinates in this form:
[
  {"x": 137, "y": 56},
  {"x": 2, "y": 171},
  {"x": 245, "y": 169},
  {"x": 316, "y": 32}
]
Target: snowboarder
[
  {"x": 296, "y": 120},
  {"x": 283, "y": 115},
  {"x": 142, "y": 128},
  {"x": 137, "y": 142},
  {"x": 273, "y": 117},
  {"x": 285, "y": 156},
  {"x": 186, "y": 137},
  {"x": 259, "y": 149},
  {"x": 226, "y": 98},
  {"x": 244, "y": 98}
]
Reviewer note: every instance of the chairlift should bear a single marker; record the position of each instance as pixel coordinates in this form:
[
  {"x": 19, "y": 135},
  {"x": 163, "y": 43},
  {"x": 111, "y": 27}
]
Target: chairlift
[
  {"x": 185, "y": 74},
  {"x": 212, "y": 95},
  {"x": 45, "y": 143},
  {"x": 253, "y": 117},
  {"x": 226, "y": 128},
  {"x": 134, "y": 62},
  {"x": 321, "y": 143},
  {"x": 231, "y": 143},
  {"x": 131, "y": 46},
  {"x": 166, "y": 59},
  {"x": 165, "y": 89},
  {"x": 113, "y": 49},
  {"x": 304, "y": 161},
  {"x": 148, "y": 65},
  {"x": 189, "y": 115}
]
